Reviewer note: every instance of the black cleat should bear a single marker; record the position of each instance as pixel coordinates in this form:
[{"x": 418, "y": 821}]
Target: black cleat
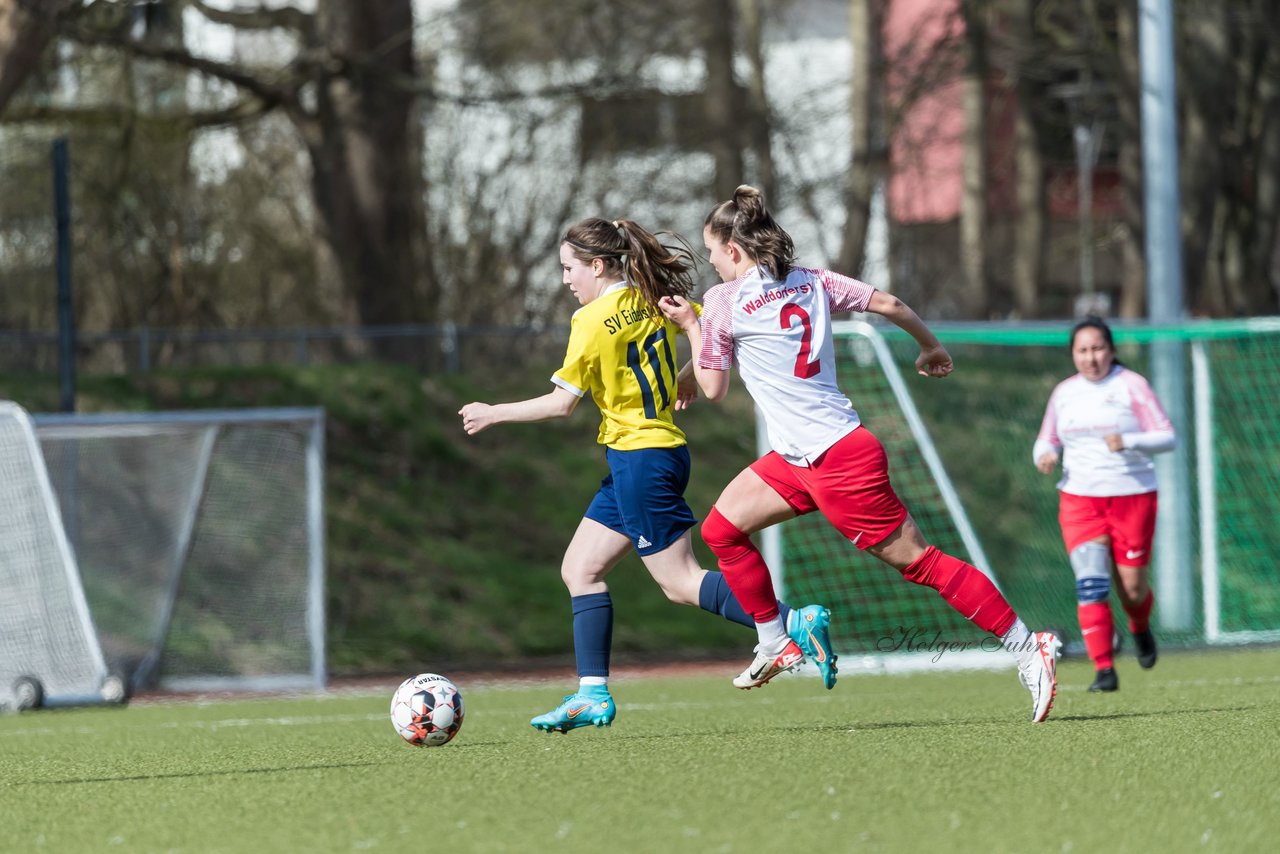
[
  {"x": 1105, "y": 680},
  {"x": 1146, "y": 643}
]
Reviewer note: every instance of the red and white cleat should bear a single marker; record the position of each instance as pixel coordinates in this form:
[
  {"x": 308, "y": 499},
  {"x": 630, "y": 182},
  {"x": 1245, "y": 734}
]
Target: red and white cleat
[
  {"x": 766, "y": 666},
  {"x": 1041, "y": 676}
]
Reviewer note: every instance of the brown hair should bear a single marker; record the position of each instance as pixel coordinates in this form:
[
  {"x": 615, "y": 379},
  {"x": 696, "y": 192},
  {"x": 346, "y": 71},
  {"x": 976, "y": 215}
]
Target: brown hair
[
  {"x": 656, "y": 270},
  {"x": 746, "y": 221}
]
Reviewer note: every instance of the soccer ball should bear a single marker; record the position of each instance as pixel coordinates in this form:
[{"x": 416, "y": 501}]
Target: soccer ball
[{"x": 426, "y": 710}]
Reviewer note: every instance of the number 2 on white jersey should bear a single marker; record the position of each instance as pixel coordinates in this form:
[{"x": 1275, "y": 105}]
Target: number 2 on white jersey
[{"x": 804, "y": 368}]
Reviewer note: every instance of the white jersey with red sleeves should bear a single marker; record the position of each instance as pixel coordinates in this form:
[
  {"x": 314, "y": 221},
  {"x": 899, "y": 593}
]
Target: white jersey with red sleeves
[
  {"x": 1081, "y": 413},
  {"x": 779, "y": 335}
]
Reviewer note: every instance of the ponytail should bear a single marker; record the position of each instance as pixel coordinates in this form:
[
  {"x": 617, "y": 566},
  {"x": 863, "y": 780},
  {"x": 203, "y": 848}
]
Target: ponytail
[
  {"x": 628, "y": 250},
  {"x": 746, "y": 221}
]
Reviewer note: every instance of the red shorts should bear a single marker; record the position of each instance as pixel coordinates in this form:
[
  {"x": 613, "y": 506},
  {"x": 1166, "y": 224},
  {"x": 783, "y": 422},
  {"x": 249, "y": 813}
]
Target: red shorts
[
  {"x": 849, "y": 484},
  {"x": 1129, "y": 520}
]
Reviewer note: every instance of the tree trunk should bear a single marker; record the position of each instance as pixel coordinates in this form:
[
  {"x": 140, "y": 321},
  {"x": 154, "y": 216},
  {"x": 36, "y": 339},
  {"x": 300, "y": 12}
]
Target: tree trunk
[
  {"x": 760, "y": 126},
  {"x": 366, "y": 156},
  {"x": 1206, "y": 121},
  {"x": 1132, "y": 302},
  {"x": 26, "y": 28},
  {"x": 1259, "y": 285},
  {"x": 722, "y": 96},
  {"x": 973, "y": 200},
  {"x": 1031, "y": 222},
  {"x": 867, "y": 158}
]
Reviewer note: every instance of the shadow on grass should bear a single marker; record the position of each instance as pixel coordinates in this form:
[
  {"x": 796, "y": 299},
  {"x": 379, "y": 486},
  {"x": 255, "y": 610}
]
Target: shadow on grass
[
  {"x": 1155, "y": 713},
  {"x": 191, "y": 774},
  {"x": 871, "y": 726}
]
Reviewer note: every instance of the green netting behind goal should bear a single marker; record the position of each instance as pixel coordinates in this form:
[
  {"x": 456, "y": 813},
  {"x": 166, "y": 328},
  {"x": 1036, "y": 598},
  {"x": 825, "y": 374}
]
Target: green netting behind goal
[{"x": 1216, "y": 539}]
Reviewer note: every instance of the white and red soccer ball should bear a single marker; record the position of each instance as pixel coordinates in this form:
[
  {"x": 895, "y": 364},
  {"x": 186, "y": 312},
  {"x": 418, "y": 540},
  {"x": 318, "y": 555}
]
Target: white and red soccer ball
[{"x": 426, "y": 710}]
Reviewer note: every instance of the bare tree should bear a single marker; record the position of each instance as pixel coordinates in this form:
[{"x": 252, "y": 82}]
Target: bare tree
[
  {"x": 1261, "y": 275},
  {"x": 760, "y": 125},
  {"x": 973, "y": 198},
  {"x": 1124, "y": 76},
  {"x": 1230, "y": 155},
  {"x": 924, "y": 63},
  {"x": 1206, "y": 119},
  {"x": 26, "y": 28},
  {"x": 1030, "y": 223},
  {"x": 349, "y": 91},
  {"x": 868, "y": 155},
  {"x": 592, "y": 125},
  {"x": 723, "y": 96},
  {"x": 365, "y": 143}
]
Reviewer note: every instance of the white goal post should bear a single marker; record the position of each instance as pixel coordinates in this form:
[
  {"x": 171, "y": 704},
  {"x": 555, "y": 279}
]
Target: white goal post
[
  {"x": 198, "y": 539},
  {"x": 49, "y": 651}
]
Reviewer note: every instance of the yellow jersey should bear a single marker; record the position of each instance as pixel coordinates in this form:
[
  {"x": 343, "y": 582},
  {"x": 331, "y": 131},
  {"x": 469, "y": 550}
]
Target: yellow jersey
[{"x": 623, "y": 351}]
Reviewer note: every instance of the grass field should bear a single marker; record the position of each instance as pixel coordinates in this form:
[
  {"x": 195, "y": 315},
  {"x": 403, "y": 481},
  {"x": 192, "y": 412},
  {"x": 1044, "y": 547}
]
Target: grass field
[{"x": 1185, "y": 757}]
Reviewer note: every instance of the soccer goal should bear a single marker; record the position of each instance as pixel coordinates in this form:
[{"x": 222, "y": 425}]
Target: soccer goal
[
  {"x": 198, "y": 539},
  {"x": 49, "y": 652},
  {"x": 960, "y": 456}
]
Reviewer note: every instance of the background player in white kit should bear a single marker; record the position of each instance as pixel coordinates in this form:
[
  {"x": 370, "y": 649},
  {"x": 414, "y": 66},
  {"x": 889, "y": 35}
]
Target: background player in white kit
[
  {"x": 1104, "y": 423},
  {"x": 774, "y": 320}
]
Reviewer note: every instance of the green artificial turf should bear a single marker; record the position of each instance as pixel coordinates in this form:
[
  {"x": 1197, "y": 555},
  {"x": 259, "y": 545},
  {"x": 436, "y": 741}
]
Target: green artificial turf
[{"x": 1185, "y": 757}]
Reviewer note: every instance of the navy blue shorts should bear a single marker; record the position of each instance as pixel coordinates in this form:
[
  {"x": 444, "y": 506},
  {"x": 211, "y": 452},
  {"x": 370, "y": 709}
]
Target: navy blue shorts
[{"x": 643, "y": 497}]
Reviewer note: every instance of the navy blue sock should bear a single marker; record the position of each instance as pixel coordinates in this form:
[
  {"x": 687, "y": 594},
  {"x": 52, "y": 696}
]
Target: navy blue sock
[
  {"x": 715, "y": 596},
  {"x": 592, "y": 633}
]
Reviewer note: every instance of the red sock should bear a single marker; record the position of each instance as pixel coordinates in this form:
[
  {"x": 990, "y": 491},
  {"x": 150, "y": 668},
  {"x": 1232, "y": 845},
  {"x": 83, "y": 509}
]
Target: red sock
[
  {"x": 743, "y": 567},
  {"x": 1140, "y": 614},
  {"x": 964, "y": 588},
  {"x": 1097, "y": 627}
]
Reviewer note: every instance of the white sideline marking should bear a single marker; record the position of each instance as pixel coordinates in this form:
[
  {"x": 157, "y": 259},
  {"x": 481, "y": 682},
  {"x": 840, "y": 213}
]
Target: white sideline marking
[{"x": 299, "y": 720}]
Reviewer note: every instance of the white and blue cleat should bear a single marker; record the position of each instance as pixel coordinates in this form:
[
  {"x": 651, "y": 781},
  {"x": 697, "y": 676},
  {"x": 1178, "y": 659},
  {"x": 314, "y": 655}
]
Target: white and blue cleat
[{"x": 578, "y": 710}]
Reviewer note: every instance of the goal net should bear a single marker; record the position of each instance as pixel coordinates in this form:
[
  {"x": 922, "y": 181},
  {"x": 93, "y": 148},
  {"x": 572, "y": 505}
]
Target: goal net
[
  {"x": 960, "y": 456},
  {"x": 199, "y": 541},
  {"x": 47, "y": 634},
  {"x": 879, "y": 620}
]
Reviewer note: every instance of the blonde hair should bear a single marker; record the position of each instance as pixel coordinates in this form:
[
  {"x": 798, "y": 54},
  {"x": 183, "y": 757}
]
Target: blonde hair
[{"x": 746, "y": 221}]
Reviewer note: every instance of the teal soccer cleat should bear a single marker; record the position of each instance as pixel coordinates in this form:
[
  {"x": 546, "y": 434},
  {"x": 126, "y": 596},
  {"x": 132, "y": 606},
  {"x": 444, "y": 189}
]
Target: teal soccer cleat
[
  {"x": 810, "y": 628},
  {"x": 578, "y": 710}
]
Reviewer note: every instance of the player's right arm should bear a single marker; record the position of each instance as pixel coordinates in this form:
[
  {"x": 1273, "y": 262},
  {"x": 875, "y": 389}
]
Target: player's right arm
[
  {"x": 571, "y": 384},
  {"x": 557, "y": 403},
  {"x": 714, "y": 382},
  {"x": 1047, "y": 450}
]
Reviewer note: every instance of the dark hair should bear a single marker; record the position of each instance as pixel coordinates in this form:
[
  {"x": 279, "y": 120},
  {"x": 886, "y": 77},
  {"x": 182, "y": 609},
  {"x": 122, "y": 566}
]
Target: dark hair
[
  {"x": 656, "y": 270},
  {"x": 1094, "y": 322},
  {"x": 746, "y": 221}
]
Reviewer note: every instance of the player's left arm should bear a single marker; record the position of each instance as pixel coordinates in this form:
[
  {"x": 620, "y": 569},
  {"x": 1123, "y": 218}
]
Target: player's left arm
[
  {"x": 1155, "y": 433},
  {"x": 686, "y": 387},
  {"x": 934, "y": 360},
  {"x": 557, "y": 403},
  {"x": 686, "y": 379}
]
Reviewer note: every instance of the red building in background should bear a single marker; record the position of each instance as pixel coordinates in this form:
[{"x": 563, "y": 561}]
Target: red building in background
[{"x": 924, "y": 43}]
